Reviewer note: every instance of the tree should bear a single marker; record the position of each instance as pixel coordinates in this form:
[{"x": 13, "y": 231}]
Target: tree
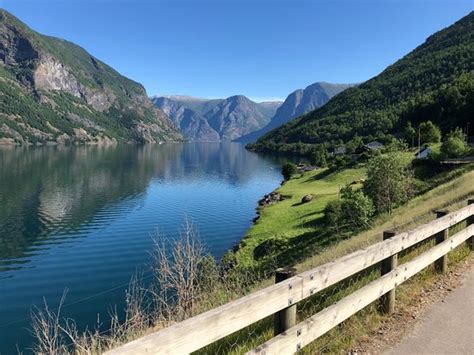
[
  {"x": 389, "y": 181},
  {"x": 454, "y": 144},
  {"x": 429, "y": 133},
  {"x": 396, "y": 145},
  {"x": 319, "y": 157},
  {"x": 288, "y": 170},
  {"x": 410, "y": 134}
]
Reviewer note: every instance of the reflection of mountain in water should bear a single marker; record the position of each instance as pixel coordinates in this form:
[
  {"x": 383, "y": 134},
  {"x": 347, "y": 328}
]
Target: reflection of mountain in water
[{"x": 52, "y": 190}]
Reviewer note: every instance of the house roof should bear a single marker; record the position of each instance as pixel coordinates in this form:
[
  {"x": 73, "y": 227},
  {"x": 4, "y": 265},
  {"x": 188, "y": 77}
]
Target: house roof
[{"x": 374, "y": 145}]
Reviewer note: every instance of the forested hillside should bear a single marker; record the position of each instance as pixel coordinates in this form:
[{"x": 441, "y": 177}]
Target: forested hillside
[
  {"x": 434, "y": 82},
  {"x": 52, "y": 91}
]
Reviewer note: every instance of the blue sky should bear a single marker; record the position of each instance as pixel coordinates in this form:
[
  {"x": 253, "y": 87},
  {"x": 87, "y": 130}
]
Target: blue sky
[{"x": 263, "y": 49}]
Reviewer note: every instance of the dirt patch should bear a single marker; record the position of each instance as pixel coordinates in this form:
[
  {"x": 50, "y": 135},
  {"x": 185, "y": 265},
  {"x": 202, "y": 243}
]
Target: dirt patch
[{"x": 394, "y": 328}]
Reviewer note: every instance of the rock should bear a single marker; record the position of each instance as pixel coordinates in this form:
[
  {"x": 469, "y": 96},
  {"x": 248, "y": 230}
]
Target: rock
[
  {"x": 307, "y": 198},
  {"x": 270, "y": 199}
]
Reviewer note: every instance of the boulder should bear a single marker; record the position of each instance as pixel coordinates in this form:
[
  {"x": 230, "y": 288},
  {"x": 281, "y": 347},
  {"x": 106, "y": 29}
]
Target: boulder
[{"x": 307, "y": 198}]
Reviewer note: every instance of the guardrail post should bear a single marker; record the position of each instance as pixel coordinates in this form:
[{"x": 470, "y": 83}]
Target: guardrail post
[
  {"x": 441, "y": 265},
  {"x": 286, "y": 318},
  {"x": 387, "y": 301},
  {"x": 470, "y": 220}
]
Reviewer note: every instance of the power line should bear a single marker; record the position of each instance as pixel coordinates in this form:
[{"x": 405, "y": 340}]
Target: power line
[{"x": 77, "y": 301}]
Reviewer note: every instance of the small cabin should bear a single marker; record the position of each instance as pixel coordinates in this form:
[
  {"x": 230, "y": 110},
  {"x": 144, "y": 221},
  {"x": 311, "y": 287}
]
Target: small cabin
[{"x": 369, "y": 147}]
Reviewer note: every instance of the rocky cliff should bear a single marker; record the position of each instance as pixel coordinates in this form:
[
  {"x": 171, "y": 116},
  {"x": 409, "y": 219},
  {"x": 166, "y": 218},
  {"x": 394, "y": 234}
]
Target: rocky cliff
[{"x": 52, "y": 91}]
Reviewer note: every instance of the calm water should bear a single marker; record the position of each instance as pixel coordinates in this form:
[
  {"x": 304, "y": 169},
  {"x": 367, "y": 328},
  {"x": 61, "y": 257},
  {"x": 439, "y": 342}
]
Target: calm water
[{"x": 82, "y": 218}]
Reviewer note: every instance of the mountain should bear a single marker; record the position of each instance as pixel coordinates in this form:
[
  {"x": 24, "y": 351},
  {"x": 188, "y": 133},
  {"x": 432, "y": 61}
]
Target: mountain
[
  {"x": 237, "y": 116},
  {"x": 192, "y": 124},
  {"x": 434, "y": 82},
  {"x": 296, "y": 104},
  {"x": 216, "y": 119},
  {"x": 197, "y": 104},
  {"x": 53, "y": 91}
]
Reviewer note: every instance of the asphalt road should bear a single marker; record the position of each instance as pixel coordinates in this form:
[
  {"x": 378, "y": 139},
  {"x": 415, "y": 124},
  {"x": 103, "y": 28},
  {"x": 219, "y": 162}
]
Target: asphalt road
[{"x": 446, "y": 328}]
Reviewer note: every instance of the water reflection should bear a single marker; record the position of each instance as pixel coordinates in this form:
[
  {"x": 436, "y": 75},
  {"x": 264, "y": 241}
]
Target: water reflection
[
  {"x": 48, "y": 190},
  {"x": 81, "y": 217}
]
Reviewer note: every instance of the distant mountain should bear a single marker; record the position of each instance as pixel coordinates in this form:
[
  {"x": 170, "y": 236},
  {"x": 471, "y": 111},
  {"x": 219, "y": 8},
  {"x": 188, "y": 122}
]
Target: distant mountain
[
  {"x": 237, "y": 116},
  {"x": 197, "y": 104},
  {"x": 296, "y": 104},
  {"x": 192, "y": 124},
  {"x": 216, "y": 119},
  {"x": 434, "y": 82},
  {"x": 53, "y": 91}
]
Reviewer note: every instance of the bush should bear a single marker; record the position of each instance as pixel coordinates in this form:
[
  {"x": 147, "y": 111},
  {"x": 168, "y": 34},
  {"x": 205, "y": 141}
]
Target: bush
[
  {"x": 333, "y": 214},
  {"x": 357, "y": 208},
  {"x": 288, "y": 170},
  {"x": 389, "y": 181},
  {"x": 353, "y": 212},
  {"x": 454, "y": 144}
]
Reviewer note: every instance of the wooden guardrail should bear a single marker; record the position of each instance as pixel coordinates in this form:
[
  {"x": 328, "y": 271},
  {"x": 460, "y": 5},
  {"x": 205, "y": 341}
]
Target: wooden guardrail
[{"x": 280, "y": 299}]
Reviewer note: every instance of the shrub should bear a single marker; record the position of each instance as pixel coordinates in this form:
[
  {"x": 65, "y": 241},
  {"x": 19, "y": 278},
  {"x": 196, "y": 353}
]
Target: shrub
[
  {"x": 288, "y": 170},
  {"x": 333, "y": 214},
  {"x": 357, "y": 208},
  {"x": 389, "y": 181},
  {"x": 454, "y": 144},
  {"x": 353, "y": 212}
]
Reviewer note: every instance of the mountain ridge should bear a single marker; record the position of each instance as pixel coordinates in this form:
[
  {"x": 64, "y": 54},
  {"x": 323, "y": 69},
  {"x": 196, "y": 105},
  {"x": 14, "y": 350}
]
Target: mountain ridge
[
  {"x": 433, "y": 82},
  {"x": 298, "y": 102},
  {"x": 55, "y": 92},
  {"x": 216, "y": 119}
]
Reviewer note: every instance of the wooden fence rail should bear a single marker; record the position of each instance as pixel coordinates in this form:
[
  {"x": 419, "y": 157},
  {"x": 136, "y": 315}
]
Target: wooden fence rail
[{"x": 206, "y": 328}]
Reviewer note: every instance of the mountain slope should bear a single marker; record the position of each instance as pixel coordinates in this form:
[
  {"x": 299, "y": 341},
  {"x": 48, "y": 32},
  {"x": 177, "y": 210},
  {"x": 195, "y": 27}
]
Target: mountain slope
[
  {"x": 236, "y": 116},
  {"x": 296, "y": 104},
  {"x": 53, "y": 91},
  {"x": 217, "y": 119},
  {"x": 192, "y": 124},
  {"x": 433, "y": 82}
]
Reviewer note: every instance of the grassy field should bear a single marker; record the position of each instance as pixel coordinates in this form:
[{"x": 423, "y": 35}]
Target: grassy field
[
  {"x": 291, "y": 224},
  {"x": 290, "y": 231}
]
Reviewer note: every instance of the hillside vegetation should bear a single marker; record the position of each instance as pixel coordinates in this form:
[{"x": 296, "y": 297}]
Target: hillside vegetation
[
  {"x": 290, "y": 230},
  {"x": 434, "y": 82},
  {"x": 53, "y": 91}
]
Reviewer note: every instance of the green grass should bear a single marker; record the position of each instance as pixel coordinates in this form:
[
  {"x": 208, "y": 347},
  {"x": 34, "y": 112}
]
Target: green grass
[
  {"x": 293, "y": 224},
  {"x": 289, "y": 231}
]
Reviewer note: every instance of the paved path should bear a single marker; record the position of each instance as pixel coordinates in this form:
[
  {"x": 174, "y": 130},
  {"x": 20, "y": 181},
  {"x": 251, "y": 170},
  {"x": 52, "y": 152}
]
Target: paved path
[{"x": 446, "y": 328}]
